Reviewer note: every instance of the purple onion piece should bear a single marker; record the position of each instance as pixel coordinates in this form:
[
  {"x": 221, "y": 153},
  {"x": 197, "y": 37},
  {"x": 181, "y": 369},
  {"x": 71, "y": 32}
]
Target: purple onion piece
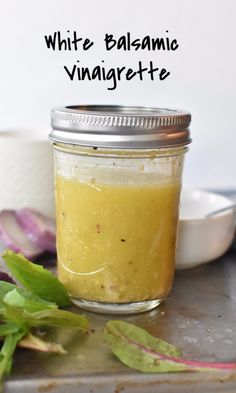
[
  {"x": 13, "y": 236},
  {"x": 5, "y": 277},
  {"x": 40, "y": 229},
  {"x": 47, "y": 259}
]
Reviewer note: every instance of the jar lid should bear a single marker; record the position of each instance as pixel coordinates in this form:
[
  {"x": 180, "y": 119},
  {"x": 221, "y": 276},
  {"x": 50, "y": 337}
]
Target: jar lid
[{"x": 120, "y": 126}]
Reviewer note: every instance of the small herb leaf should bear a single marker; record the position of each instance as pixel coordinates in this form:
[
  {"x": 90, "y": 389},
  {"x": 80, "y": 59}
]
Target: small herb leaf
[
  {"x": 21, "y": 298},
  {"x": 36, "y": 279},
  {"x": 57, "y": 318},
  {"x": 8, "y": 328},
  {"x": 34, "y": 305},
  {"x": 5, "y": 287}
]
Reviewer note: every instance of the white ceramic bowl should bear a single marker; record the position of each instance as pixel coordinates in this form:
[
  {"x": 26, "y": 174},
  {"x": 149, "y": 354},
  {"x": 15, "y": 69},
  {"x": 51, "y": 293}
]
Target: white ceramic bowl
[{"x": 202, "y": 239}]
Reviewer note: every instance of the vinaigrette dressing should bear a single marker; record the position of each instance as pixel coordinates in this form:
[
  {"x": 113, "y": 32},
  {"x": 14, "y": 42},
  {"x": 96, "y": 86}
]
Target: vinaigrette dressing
[{"x": 116, "y": 243}]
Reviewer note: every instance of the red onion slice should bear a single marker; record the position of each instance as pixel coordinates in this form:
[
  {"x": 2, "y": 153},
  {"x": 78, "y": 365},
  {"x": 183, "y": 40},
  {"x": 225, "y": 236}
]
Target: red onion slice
[
  {"x": 5, "y": 277},
  {"x": 40, "y": 229},
  {"x": 14, "y": 237}
]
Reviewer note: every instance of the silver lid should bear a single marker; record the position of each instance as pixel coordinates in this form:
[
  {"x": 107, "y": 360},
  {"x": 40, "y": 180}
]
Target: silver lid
[{"x": 120, "y": 126}]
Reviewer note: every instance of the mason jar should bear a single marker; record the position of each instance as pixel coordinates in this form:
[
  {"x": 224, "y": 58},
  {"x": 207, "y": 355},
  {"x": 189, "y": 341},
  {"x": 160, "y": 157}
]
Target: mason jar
[{"x": 117, "y": 186}]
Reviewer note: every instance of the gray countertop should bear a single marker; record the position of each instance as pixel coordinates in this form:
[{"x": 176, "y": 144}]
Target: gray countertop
[{"x": 199, "y": 317}]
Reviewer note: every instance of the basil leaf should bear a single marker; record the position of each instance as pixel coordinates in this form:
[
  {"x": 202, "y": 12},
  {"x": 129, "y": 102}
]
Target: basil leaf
[
  {"x": 138, "y": 349},
  {"x": 21, "y": 298},
  {"x": 36, "y": 279}
]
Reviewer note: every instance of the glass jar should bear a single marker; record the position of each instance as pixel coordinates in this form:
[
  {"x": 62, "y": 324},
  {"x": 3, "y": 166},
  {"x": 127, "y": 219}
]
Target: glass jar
[{"x": 117, "y": 180}]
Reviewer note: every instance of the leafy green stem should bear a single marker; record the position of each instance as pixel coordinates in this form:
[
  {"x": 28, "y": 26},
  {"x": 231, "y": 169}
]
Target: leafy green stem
[{"x": 7, "y": 351}]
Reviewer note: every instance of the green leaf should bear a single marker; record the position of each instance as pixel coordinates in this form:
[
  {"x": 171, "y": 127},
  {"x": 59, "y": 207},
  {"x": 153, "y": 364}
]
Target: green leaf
[
  {"x": 47, "y": 317},
  {"x": 8, "y": 328},
  {"x": 36, "y": 279},
  {"x": 138, "y": 349},
  {"x": 57, "y": 318},
  {"x": 34, "y": 305},
  {"x": 33, "y": 342},
  {"x": 10, "y": 314},
  {"x": 23, "y": 299},
  {"x": 6, "y": 287},
  {"x": 135, "y": 347}
]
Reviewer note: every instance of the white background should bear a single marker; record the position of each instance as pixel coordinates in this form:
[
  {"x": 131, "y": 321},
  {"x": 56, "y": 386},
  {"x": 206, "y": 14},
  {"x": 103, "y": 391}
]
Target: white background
[{"x": 32, "y": 79}]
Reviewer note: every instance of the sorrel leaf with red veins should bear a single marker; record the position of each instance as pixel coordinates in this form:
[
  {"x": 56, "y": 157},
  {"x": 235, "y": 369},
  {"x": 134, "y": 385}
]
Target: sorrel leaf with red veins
[{"x": 140, "y": 350}]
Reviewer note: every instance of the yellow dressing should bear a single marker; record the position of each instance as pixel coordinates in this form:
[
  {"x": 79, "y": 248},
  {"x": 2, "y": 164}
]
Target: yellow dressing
[{"x": 116, "y": 243}]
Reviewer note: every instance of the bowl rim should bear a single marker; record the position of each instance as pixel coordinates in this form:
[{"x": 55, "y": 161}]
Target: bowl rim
[{"x": 205, "y": 218}]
